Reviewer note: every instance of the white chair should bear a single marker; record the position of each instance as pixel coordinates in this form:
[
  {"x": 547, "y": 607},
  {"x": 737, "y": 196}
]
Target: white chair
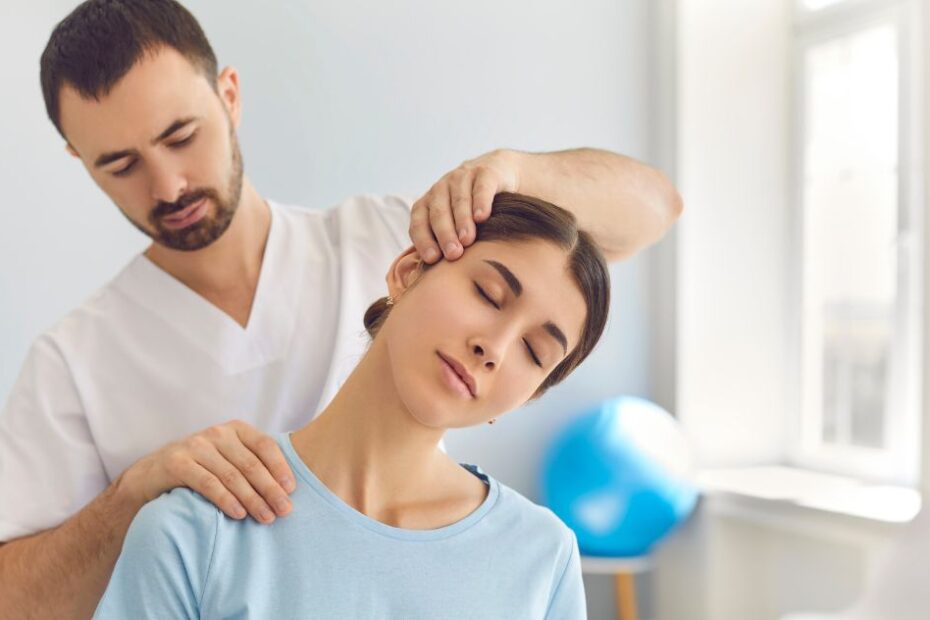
[{"x": 900, "y": 589}]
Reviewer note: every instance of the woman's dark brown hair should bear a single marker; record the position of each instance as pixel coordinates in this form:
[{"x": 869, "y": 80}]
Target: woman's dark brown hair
[{"x": 515, "y": 217}]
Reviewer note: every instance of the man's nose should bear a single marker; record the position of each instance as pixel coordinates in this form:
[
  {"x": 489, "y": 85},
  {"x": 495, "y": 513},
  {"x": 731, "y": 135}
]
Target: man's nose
[{"x": 167, "y": 183}]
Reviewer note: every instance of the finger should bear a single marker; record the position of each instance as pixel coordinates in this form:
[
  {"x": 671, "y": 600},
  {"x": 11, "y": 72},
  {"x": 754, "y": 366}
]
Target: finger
[
  {"x": 257, "y": 476},
  {"x": 269, "y": 453},
  {"x": 420, "y": 232},
  {"x": 200, "y": 479},
  {"x": 461, "y": 199},
  {"x": 482, "y": 194},
  {"x": 442, "y": 223},
  {"x": 235, "y": 482}
]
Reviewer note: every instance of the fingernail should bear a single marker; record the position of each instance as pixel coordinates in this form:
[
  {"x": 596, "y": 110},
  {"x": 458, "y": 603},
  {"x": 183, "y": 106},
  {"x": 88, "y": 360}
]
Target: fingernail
[
  {"x": 430, "y": 254},
  {"x": 282, "y": 506},
  {"x": 287, "y": 482},
  {"x": 462, "y": 234},
  {"x": 239, "y": 512},
  {"x": 265, "y": 515},
  {"x": 451, "y": 247}
]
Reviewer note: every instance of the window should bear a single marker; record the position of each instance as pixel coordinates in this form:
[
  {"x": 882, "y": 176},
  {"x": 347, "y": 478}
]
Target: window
[{"x": 858, "y": 238}]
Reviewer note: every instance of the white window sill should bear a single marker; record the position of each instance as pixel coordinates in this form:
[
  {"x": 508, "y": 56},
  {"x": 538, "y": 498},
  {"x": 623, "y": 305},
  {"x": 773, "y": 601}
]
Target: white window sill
[{"x": 824, "y": 505}]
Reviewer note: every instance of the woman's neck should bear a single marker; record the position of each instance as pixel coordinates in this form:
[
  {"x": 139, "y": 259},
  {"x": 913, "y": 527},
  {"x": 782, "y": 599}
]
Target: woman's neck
[{"x": 369, "y": 450}]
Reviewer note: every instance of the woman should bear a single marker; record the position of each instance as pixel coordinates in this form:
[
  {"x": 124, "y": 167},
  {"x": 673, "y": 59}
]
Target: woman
[{"x": 384, "y": 524}]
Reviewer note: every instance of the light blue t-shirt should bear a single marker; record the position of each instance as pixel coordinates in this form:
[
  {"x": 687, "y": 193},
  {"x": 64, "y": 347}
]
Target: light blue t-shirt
[{"x": 183, "y": 558}]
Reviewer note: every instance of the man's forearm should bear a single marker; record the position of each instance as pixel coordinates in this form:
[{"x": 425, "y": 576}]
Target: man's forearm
[
  {"x": 625, "y": 204},
  {"x": 63, "y": 572}
]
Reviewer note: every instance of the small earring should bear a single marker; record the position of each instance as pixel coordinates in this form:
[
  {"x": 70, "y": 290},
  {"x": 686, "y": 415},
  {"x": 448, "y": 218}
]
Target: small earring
[
  {"x": 390, "y": 301},
  {"x": 492, "y": 420}
]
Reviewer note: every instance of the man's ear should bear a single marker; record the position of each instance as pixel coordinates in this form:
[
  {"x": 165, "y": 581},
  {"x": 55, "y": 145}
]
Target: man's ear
[
  {"x": 403, "y": 272},
  {"x": 227, "y": 87}
]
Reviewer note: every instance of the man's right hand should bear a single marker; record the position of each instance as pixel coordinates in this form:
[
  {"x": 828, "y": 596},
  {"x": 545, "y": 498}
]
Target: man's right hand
[{"x": 234, "y": 465}]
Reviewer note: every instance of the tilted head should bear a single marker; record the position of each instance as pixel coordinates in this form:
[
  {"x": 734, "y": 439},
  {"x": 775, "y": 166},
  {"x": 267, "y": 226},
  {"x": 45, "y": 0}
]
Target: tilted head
[{"x": 515, "y": 315}]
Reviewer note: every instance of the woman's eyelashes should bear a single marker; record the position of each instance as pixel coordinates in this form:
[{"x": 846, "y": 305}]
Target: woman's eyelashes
[
  {"x": 174, "y": 145},
  {"x": 532, "y": 353},
  {"x": 487, "y": 298}
]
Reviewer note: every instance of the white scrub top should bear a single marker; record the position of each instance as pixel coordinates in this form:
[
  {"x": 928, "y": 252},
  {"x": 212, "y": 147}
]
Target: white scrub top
[{"x": 146, "y": 360}]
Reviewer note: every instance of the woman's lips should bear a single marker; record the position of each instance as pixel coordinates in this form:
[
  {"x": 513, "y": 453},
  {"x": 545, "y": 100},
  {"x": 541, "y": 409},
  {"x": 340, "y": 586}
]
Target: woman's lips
[
  {"x": 453, "y": 380},
  {"x": 187, "y": 216}
]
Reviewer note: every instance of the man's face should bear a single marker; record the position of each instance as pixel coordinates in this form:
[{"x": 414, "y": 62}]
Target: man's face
[{"x": 162, "y": 145}]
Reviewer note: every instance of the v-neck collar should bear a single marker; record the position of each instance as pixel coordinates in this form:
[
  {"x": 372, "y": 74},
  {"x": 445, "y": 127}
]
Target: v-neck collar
[{"x": 267, "y": 335}]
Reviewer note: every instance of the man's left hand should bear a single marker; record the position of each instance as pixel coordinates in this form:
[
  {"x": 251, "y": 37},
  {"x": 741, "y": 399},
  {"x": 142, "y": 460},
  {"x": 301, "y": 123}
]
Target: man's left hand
[{"x": 446, "y": 215}]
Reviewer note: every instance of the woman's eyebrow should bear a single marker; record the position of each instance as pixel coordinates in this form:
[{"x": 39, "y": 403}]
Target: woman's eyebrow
[
  {"x": 508, "y": 276},
  {"x": 514, "y": 283},
  {"x": 556, "y": 333}
]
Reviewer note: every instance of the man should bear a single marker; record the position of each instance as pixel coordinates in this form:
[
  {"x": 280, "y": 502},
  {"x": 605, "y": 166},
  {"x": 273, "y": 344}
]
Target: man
[{"x": 241, "y": 309}]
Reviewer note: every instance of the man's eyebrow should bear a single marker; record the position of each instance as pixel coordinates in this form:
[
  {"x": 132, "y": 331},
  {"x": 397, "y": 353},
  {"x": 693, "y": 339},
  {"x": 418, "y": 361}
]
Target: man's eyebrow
[
  {"x": 173, "y": 127},
  {"x": 107, "y": 158},
  {"x": 508, "y": 276}
]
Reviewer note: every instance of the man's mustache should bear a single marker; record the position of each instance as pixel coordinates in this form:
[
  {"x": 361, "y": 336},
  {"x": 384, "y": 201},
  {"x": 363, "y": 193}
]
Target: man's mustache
[{"x": 163, "y": 209}]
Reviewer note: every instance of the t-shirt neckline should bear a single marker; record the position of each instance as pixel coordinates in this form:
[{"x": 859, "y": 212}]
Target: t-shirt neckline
[{"x": 353, "y": 515}]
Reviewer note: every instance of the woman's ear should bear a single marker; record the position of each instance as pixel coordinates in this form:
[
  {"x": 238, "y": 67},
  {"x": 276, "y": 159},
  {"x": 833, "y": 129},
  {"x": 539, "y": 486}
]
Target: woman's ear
[{"x": 403, "y": 272}]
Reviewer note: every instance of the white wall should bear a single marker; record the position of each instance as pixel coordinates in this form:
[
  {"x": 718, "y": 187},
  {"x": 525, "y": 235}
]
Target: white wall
[
  {"x": 733, "y": 95},
  {"x": 923, "y": 66},
  {"x": 347, "y": 97}
]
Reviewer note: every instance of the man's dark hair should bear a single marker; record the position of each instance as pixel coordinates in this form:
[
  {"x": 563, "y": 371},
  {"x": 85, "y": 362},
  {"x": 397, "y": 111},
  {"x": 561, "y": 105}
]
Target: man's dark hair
[{"x": 101, "y": 40}]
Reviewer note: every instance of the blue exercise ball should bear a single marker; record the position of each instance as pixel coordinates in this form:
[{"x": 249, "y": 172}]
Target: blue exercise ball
[{"x": 620, "y": 476}]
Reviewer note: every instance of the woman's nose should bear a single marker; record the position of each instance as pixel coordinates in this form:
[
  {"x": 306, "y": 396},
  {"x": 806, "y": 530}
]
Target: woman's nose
[{"x": 483, "y": 353}]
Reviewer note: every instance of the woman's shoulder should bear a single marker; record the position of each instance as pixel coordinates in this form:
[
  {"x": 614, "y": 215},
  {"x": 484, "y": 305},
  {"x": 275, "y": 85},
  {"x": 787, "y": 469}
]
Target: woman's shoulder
[
  {"x": 516, "y": 510},
  {"x": 179, "y": 513}
]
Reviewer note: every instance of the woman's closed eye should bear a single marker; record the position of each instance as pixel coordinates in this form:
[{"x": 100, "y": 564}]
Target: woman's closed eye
[
  {"x": 532, "y": 353},
  {"x": 487, "y": 297}
]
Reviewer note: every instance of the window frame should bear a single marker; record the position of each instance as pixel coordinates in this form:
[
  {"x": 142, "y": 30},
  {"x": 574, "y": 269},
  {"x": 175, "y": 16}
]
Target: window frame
[{"x": 900, "y": 461}]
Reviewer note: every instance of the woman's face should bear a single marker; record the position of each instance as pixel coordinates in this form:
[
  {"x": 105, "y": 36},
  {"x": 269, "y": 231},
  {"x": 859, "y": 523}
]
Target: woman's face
[{"x": 475, "y": 338}]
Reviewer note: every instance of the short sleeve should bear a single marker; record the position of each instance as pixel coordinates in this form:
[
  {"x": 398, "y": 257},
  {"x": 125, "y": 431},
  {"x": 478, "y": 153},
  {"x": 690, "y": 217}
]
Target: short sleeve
[
  {"x": 568, "y": 600},
  {"x": 163, "y": 567},
  {"x": 49, "y": 464}
]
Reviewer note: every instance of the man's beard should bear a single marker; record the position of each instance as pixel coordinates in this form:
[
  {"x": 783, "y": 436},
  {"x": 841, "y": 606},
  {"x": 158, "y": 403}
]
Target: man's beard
[{"x": 212, "y": 226}]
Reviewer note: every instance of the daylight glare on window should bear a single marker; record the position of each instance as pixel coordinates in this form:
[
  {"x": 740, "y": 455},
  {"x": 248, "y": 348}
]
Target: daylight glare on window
[{"x": 850, "y": 222}]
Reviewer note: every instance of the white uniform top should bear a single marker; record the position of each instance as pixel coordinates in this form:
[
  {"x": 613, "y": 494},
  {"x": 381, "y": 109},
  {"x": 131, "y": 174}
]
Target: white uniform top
[{"x": 146, "y": 360}]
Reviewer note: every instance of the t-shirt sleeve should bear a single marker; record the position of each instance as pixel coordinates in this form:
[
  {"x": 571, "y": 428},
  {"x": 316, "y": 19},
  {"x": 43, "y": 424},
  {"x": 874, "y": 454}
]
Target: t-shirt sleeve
[
  {"x": 164, "y": 565},
  {"x": 568, "y": 600},
  {"x": 49, "y": 464}
]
